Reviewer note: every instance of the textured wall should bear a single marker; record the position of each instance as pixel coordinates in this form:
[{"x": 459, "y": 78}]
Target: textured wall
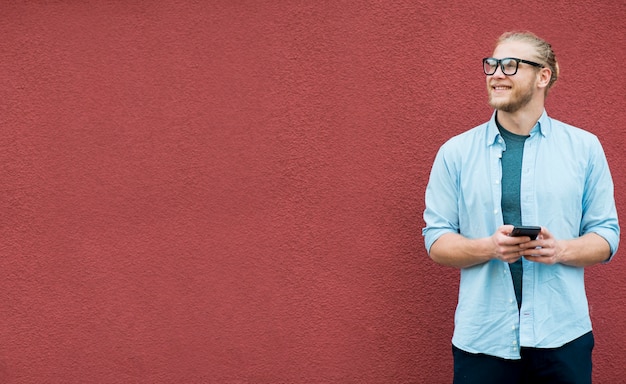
[{"x": 231, "y": 191}]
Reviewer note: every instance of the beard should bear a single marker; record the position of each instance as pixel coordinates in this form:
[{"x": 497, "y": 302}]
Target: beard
[{"x": 520, "y": 97}]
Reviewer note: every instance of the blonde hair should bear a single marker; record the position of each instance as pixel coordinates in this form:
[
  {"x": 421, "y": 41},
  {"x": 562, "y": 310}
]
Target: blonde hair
[{"x": 544, "y": 51}]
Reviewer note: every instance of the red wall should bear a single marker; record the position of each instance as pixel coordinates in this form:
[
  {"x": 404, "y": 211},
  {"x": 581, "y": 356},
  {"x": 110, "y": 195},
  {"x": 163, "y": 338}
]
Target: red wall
[{"x": 231, "y": 191}]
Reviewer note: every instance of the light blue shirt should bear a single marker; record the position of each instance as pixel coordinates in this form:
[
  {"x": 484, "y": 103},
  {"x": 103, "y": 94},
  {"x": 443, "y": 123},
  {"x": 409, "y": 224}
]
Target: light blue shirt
[{"x": 566, "y": 186}]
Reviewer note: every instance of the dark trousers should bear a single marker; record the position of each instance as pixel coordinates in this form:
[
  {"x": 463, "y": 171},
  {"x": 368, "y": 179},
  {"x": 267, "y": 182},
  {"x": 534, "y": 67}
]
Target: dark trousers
[{"x": 569, "y": 364}]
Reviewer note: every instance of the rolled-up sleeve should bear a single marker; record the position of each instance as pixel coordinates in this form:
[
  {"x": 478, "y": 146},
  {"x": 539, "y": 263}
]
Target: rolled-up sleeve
[
  {"x": 441, "y": 213},
  {"x": 599, "y": 211}
]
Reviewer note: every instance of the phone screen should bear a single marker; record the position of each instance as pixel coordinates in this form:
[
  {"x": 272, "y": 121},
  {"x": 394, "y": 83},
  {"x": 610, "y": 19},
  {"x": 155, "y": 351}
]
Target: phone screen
[{"x": 530, "y": 231}]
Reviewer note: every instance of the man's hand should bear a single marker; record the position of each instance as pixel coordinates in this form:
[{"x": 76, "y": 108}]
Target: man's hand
[
  {"x": 545, "y": 249},
  {"x": 509, "y": 248}
]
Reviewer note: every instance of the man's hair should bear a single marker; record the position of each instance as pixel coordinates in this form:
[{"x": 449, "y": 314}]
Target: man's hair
[{"x": 544, "y": 51}]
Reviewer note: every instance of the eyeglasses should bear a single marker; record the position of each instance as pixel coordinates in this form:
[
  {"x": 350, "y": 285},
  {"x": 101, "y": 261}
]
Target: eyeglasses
[{"x": 508, "y": 65}]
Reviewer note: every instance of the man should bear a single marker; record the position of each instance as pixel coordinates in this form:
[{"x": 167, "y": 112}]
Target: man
[{"x": 522, "y": 314}]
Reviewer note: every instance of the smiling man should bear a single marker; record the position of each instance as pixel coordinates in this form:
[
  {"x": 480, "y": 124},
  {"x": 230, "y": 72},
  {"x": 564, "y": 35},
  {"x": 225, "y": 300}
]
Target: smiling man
[{"x": 522, "y": 314}]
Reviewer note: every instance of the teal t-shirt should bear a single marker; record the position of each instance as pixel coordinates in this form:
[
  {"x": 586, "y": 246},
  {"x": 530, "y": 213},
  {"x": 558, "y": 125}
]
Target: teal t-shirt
[{"x": 511, "y": 210}]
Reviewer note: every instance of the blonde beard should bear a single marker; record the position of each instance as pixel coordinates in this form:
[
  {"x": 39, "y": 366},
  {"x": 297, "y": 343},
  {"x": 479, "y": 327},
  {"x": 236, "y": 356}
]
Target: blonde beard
[{"x": 519, "y": 99}]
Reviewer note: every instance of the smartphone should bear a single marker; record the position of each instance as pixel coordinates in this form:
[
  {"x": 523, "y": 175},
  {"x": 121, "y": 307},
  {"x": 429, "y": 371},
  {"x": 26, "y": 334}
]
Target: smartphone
[{"x": 530, "y": 231}]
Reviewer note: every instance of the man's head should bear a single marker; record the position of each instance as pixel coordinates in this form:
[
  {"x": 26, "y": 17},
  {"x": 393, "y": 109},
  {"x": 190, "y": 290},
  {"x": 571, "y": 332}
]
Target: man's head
[
  {"x": 521, "y": 71},
  {"x": 543, "y": 51}
]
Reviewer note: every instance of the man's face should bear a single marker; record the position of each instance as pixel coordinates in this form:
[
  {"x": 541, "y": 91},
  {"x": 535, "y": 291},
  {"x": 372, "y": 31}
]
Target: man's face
[{"x": 511, "y": 93}]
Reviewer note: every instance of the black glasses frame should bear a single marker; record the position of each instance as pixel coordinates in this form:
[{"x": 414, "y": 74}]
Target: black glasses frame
[{"x": 500, "y": 62}]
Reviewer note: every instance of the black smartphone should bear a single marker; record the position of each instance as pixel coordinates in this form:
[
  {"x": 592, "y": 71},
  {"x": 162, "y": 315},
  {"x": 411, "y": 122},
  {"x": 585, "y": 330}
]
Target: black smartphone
[{"x": 530, "y": 231}]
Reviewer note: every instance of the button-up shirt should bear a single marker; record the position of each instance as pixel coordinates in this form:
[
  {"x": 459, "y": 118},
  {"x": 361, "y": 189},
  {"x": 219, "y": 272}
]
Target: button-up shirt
[{"x": 566, "y": 186}]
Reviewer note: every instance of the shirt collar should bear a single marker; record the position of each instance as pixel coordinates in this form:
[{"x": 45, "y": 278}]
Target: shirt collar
[{"x": 543, "y": 126}]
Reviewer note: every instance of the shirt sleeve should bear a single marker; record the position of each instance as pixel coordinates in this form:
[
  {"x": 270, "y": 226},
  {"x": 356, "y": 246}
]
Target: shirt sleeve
[
  {"x": 599, "y": 212},
  {"x": 441, "y": 213}
]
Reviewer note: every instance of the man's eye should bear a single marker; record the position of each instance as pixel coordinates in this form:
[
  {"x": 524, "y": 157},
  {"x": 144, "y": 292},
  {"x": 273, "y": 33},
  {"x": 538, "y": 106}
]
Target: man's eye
[{"x": 509, "y": 64}]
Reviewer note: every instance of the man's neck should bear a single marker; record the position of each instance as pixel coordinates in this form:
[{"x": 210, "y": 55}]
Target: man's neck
[{"x": 522, "y": 121}]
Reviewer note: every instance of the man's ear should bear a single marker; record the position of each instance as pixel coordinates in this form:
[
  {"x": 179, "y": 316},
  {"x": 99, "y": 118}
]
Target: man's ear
[{"x": 545, "y": 74}]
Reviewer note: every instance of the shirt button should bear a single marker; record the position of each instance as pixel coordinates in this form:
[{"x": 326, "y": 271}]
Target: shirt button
[
  {"x": 495, "y": 211},
  {"x": 514, "y": 342},
  {"x": 513, "y": 327}
]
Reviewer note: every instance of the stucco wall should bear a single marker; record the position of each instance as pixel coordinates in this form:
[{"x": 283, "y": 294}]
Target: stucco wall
[{"x": 231, "y": 191}]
